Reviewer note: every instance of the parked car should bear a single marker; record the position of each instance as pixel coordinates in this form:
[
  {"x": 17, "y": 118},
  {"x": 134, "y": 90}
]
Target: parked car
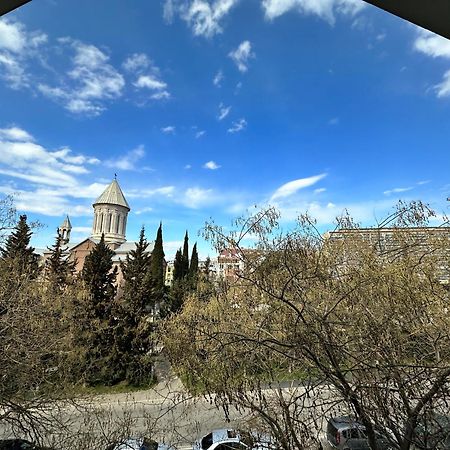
[
  {"x": 432, "y": 433},
  {"x": 137, "y": 444},
  {"x": 229, "y": 439},
  {"x": 346, "y": 433}
]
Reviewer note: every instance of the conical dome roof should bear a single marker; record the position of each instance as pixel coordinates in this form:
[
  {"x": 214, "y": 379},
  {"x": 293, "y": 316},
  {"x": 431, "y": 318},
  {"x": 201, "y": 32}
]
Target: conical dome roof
[
  {"x": 113, "y": 195},
  {"x": 66, "y": 223}
]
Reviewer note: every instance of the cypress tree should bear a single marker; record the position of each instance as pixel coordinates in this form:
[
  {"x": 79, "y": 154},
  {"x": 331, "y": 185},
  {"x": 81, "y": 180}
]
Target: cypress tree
[
  {"x": 193, "y": 268},
  {"x": 157, "y": 261},
  {"x": 185, "y": 265},
  {"x": 18, "y": 253},
  {"x": 178, "y": 266},
  {"x": 135, "y": 270}
]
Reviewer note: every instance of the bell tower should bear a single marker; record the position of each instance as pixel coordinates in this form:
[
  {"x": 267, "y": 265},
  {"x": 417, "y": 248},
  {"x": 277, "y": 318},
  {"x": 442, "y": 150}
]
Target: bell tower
[
  {"x": 110, "y": 215},
  {"x": 64, "y": 231}
]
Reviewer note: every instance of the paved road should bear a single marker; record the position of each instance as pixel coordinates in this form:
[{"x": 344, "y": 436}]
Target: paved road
[{"x": 165, "y": 413}]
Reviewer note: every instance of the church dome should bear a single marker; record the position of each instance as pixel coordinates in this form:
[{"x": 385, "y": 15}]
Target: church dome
[
  {"x": 110, "y": 215},
  {"x": 112, "y": 195}
]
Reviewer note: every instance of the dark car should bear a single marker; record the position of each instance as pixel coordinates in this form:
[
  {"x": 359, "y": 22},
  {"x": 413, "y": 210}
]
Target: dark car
[
  {"x": 346, "y": 433},
  {"x": 19, "y": 444}
]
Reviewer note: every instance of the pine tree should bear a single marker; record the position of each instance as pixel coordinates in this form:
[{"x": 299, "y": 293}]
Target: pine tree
[
  {"x": 185, "y": 265},
  {"x": 132, "y": 329},
  {"x": 95, "y": 328},
  {"x": 18, "y": 253},
  {"x": 100, "y": 278},
  {"x": 58, "y": 268}
]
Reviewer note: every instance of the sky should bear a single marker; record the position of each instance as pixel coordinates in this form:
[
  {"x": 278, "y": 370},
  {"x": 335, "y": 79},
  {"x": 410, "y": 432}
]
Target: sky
[{"x": 205, "y": 108}]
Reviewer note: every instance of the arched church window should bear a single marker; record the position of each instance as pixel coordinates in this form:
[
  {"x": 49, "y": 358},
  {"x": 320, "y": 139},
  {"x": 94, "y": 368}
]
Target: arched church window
[{"x": 108, "y": 225}]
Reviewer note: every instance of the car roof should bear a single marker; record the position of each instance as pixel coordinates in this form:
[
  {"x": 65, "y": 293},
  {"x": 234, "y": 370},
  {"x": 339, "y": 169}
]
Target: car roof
[
  {"x": 346, "y": 422},
  {"x": 225, "y": 434}
]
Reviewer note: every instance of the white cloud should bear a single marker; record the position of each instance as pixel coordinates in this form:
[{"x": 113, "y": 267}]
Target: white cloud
[
  {"x": 242, "y": 55},
  {"x": 166, "y": 191},
  {"x": 89, "y": 83},
  {"x": 218, "y": 78},
  {"x": 292, "y": 187},
  {"x": 22, "y": 158},
  {"x": 199, "y": 134},
  {"x": 129, "y": 160},
  {"x": 51, "y": 175},
  {"x": 325, "y": 9},
  {"x": 144, "y": 210},
  {"x": 150, "y": 82},
  {"x": 170, "y": 129},
  {"x": 136, "y": 62},
  {"x": 17, "y": 45},
  {"x": 12, "y": 36},
  {"x": 432, "y": 45},
  {"x": 240, "y": 125},
  {"x": 397, "y": 190},
  {"x": 196, "y": 197},
  {"x": 15, "y": 134},
  {"x": 223, "y": 111},
  {"x": 319, "y": 190},
  {"x": 161, "y": 95},
  {"x": 188, "y": 166},
  {"x": 204, "y": 17},
  {"x": 211, "y": 165},
  {"x": 443, "y": 88}
]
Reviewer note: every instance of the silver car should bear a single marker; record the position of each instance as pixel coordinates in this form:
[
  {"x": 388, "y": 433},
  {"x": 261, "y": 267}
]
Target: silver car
[{"x": 229, "y": 439}]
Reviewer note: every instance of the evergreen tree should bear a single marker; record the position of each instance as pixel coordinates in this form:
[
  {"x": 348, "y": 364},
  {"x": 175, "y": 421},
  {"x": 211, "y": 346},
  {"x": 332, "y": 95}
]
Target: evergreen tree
[
  {"x": 185, "y": 265},
  {"x": 135, "y": 270},
  {"x": 157, "y": 263},
  {"x": 132, "y": 329},
  {"x": 100, "y": 278},
  {"x": 95, "y": 328},
  {"x": 58, "y": 268},
  {"x": 193, "y": 268},
  {"x": 178, "y": 266},
  {"x": 18, "y": 253}
]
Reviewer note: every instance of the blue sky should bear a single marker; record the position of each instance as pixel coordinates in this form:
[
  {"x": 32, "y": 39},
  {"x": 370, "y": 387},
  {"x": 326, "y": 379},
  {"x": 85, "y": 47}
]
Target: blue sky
[{"x": 204, "y": 108}]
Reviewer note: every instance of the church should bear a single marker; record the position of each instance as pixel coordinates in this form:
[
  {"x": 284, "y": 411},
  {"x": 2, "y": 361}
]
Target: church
[{"x": 110, "y": 218}]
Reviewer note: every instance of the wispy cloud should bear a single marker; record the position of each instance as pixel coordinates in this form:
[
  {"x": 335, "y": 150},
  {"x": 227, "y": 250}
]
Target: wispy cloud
[
  {"x": 51, "y": 176},
  {"x": 168, "y": 130},
  {"x": 325, "y": 9},
  {"x": 238, "y": 126},
  {"x": 218, "y": 78},
  {"x": 21, "y": 157},
  {"x": 242, "y": 55},
  {"x": 292, "y": 187},
  {"x": 129, "y": 160},
  {"x": 211, "y": 165},
  {"x": 223, "y": 111},
  {"x": 397, "y": 190},
  {"x": 89, "y": 82},
  {"x": 17, "y": 46},
  {"x": 15, "y": 134},
  {"x": 435, "y": 46},
  {"x": 199, "y": 134},
  {"x": 204, "y": 17}
]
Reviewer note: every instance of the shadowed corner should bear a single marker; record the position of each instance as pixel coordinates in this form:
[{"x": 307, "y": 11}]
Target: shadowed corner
[{"x": 7, "y": 6}]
